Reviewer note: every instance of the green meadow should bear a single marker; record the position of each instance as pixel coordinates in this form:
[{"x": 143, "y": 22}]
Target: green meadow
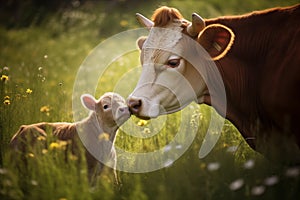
[{"x": 41, "y": 52}]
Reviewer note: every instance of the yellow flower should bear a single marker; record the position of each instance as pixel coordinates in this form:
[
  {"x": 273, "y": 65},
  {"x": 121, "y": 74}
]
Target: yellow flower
[
  {"x": 6, "y": 102},
  {"x": 31, "y": 155},
  {"x": 44, "y": 109},
  {"x": 54, "y": 145},
  {"x": 123, "y": 23},
  {"x": 28, "y": 91},
  {"x": 41, "y": 138},
  {"x": 142, "y": 123},
  {"x": 6, "y": 97},
  {"x": 44, "y": 151},
  {"x": 4, "y": 78},
  {"x": 73, "y": 157}
]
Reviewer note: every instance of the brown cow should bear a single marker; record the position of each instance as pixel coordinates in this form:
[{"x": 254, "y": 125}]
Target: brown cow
[{"x": 258, "y": 57}]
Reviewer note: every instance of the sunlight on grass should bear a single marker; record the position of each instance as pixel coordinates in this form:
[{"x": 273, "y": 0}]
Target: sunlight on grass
[{"x": 38, "y": 67}]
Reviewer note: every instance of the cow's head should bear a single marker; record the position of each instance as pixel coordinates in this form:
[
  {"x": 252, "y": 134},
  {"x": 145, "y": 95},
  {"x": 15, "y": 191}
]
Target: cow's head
[{"x": 169, "y": 81}]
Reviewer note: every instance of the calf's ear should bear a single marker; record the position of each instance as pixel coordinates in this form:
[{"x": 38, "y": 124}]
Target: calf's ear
[
  {"x": 140, "y": 42},
  {"x": 88, "y": 101},
  {"x": 217, "y": 40}
]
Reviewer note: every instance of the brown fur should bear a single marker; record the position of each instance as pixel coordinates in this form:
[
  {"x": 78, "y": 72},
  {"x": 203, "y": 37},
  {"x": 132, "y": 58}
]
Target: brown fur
[
  {"x": 260, "y": 71},
  {"x": 164, "y": 15},
  {"x": 29, "y": 135}
]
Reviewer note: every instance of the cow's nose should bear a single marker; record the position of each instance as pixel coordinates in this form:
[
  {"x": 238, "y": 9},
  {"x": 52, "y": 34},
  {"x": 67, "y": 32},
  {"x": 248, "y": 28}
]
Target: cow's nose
[
  {"x": 122, "y": 109},
  {"x": 135, "y": 105}
]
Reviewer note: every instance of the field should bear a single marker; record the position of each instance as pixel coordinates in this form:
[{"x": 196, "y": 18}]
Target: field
[{"x": 40, "y": 61}]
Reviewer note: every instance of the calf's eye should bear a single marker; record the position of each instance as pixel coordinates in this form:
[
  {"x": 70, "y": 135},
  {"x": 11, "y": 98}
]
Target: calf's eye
[
  {"x": 105, "y": 107},
  {"x": 173, "y": 63}
]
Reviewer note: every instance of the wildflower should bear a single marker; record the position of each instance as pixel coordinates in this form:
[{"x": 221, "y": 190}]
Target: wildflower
[
  {"x": 232, "y": 149},
  {"x": 6, "y": 102},
  {"x": 41, "y": 138},
  {"x": 272, "y": 180},
  {"x": 292, "y": 172},
  {"x": 46, "y": 56},
  {"x": 6, "y": 97},
  {"x": 31, "y": 155},
  {"x": 213, "y": 166},
  {"x": 146, "y": 131},
  {"x": 179, "y": 146},
  {"x": 103, "y": 136},
  {"x": 54, "y": 145},
  {"x": 44, "y": 151},
  {"x": 167, "y": 148},
  {"x": 45, "y": 109},
  {"x": 62, "y": 144},
  {"x": 4, "y": 78},
  {"x": 249, "y": 164},
  {"x": 28, "y": 91},
  {"x": 202, "y": 166},
  {"x": 73, "y": 157},
  {"x": 193, "y": 121},
  {"x": 258, "y": 190},
  {"x": 123, "y": 23},
  {"x": 142, "y": 123},
  {"x": 3, "y": 171},
  {"x": 34, "y": 182},
  {"x": 237, "y": 184}
]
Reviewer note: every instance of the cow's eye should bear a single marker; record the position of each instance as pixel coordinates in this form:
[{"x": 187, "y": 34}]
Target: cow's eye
[{"x": 173, "y": 63}]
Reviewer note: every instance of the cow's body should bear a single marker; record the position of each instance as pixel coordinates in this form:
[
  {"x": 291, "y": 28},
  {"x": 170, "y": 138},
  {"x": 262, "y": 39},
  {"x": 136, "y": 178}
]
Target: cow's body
[
  {"x": 261, "y": 72},
  {"x": 259, "y": 67}
]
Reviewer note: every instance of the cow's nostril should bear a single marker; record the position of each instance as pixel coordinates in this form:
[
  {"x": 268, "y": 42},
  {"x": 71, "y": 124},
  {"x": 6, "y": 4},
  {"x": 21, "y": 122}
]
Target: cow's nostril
[{"x": 135, "y": 105}]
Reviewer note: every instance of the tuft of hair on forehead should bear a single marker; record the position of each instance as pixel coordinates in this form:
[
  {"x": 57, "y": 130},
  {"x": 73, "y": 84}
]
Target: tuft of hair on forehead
[{"x": 164, "y": 15}]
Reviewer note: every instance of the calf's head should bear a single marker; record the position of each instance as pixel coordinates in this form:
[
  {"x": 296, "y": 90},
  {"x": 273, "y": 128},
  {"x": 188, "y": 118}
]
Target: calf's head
[
  {"x": 169, "y": 81},
  {"x": 111, "y": 109}
]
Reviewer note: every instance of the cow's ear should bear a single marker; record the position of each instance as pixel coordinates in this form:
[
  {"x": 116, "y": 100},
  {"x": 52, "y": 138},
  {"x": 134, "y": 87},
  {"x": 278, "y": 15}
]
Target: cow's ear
[
  {"x": 88, "y": 101},
  {"x": 140, "y": 42},
  {"x": 217, "y": 40}
]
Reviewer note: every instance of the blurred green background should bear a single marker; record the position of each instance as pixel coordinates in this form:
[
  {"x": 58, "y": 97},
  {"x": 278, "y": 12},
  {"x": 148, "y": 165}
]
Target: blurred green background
[{"x": 43, "y": 44}]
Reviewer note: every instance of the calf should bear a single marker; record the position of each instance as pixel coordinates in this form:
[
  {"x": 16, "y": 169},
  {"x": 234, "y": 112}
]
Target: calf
[{"x": 107, "y": 114}]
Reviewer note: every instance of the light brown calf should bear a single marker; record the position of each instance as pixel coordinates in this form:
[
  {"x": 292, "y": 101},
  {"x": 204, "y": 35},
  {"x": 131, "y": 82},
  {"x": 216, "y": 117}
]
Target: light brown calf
[{"x": 107, "y": 114}]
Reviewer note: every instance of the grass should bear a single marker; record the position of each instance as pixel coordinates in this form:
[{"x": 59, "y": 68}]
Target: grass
[{"x": 41, "y": 63}]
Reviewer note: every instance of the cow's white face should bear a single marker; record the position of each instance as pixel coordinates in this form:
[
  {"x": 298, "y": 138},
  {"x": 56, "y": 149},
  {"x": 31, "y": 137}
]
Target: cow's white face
[{"x": 168, "y": 82}]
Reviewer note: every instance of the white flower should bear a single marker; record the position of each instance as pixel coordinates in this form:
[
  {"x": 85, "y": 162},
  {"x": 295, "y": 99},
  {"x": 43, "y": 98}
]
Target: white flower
[
  {"x": 237, "y": 184},
  {"x": 249, "y": 164},
  {"x": 272, "y": 180},
  {"x": 167, "y": 148},
  {"x": 232, "y": 149},
  {"x": 292, "y": 172},
  {"x": 258, "y": 190},
  {"x": 213, "y": 166}
]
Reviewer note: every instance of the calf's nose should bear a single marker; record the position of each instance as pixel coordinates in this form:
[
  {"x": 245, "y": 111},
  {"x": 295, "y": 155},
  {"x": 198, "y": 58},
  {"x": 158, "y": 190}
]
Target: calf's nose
[{"x": 135, "y": 105}]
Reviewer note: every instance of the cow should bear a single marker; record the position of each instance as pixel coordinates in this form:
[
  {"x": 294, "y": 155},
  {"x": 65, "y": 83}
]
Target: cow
[{"x": 258, "y": 58}]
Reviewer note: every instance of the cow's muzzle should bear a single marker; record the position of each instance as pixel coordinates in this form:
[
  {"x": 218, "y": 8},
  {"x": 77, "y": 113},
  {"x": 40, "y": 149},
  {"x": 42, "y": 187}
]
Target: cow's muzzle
[{"x": 143, "y": 108}]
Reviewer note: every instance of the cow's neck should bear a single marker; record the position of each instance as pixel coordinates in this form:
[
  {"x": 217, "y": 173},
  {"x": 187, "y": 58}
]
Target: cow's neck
[{"x": 242, "y": 68}]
